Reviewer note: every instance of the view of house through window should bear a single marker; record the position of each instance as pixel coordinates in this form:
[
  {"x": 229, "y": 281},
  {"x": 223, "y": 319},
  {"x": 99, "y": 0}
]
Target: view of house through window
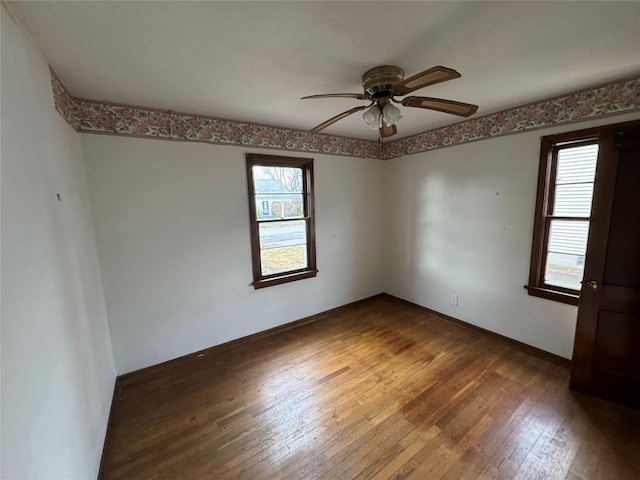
[
  {"x": 279, "y": 203},
  {"x": 282, "y": 226},
  {"x": 575, "y": 171}
]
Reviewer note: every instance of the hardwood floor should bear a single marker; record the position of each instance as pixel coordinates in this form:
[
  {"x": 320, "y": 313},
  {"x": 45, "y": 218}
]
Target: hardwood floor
[{"x": 379, "y": 390}]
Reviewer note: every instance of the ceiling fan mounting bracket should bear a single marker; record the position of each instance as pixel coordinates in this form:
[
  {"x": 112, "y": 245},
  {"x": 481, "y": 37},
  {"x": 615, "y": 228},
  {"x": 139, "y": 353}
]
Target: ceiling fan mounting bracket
[{"x": 381, "y": 79}]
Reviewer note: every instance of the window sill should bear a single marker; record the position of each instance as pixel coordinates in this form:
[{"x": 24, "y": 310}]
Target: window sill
[
  {"x": 548, "y": 294},
  {"x": 285, "y": 278}
]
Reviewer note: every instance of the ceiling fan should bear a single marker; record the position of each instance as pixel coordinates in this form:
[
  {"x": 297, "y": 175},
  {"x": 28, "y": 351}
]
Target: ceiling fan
[{"x": 382, "y": 85}]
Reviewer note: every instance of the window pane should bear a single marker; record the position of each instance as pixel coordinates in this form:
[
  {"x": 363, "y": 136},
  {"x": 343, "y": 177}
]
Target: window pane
[
  {"x": 279, "y": 205},
  {"x": 576, "y": 164},
  {"x": 283, "y": 246},
  {"x": 293, "y": 206},
  {"x": 573, "y": 200},
  {"x": 277, "y": 179},
  {"x": 566, "y": 252},
  {"x": 575, "y": 174}
]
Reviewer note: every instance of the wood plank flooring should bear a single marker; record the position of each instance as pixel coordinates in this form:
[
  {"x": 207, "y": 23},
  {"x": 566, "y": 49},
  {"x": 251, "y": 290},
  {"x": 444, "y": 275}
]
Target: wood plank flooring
[{"x": 379, "y": 390}]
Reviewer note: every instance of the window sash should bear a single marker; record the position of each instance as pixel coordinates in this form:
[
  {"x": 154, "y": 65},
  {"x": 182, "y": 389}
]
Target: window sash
[
  {"x": 305, "y": 244},
  {"x": 547, "y": 250}
]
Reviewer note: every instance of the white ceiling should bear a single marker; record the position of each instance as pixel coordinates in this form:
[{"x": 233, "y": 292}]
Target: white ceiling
[{"x": 252, "y": 61}]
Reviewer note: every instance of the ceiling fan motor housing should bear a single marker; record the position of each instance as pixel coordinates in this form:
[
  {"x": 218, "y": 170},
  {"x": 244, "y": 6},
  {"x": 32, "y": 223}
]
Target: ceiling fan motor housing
[{"x": 381, "y": 79}]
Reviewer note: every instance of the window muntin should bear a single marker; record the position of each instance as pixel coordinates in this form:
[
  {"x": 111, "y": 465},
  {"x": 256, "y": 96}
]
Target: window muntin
[
  {"x": 282, "y": 223},
  {"x": 561, "y": 227}
]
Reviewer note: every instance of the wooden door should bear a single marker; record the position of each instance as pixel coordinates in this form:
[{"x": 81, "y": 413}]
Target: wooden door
[{"x": 606, "y": 356}]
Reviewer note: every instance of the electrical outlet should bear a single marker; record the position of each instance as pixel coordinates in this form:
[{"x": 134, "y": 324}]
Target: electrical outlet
[{"x": 454, "y": 300}]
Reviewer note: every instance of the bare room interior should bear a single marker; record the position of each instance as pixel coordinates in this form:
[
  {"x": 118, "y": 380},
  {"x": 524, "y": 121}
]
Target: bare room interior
[{"x": 320, "y": 240}]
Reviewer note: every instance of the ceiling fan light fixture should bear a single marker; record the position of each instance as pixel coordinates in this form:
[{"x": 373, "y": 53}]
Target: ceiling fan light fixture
[
  {"x": 391, "y": 114},
  {"x": 373, "y": 117}
]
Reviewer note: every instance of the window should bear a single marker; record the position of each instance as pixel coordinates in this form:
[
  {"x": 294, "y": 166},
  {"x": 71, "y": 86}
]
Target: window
[
  {"x": 563, "y": 209},
  {"x": 282, "y": 219}
]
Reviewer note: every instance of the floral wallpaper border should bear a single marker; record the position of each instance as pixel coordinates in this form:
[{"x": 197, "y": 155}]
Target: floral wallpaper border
[
  {"x": 91, "y": 116},
  {"x": 64, "y": 102},
  {"x": 605, "y": 100}
]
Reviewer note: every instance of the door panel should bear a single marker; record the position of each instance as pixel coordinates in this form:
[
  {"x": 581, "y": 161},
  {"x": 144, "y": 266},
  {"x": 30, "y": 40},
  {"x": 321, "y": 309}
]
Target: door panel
[
  {"x": 623, "y": 251},
  {"x": 606, "y": 359},
  {"x": 614, "y": 350}
]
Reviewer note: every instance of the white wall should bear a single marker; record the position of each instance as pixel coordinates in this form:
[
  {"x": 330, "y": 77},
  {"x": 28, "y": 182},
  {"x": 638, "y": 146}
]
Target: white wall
[
  {"x": 172, "y": 227},
  {"x": 459, "y": 220},
  {"x": 57, "y": 364}
]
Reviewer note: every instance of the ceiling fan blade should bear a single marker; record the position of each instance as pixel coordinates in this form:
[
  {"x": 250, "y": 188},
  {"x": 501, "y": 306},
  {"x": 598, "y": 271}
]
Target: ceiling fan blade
[
  {"x": 423, "y": 79},
  {"x": 340, "y": 116},
  {"x": 358, "y": 96},
  {"x": 447, "y": 106},
  {"x": 387, "y": 130}
]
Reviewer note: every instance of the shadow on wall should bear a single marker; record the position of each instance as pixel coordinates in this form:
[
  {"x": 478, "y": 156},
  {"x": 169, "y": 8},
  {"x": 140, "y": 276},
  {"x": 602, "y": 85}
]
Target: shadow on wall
[{"x": 461, "y": 228}]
